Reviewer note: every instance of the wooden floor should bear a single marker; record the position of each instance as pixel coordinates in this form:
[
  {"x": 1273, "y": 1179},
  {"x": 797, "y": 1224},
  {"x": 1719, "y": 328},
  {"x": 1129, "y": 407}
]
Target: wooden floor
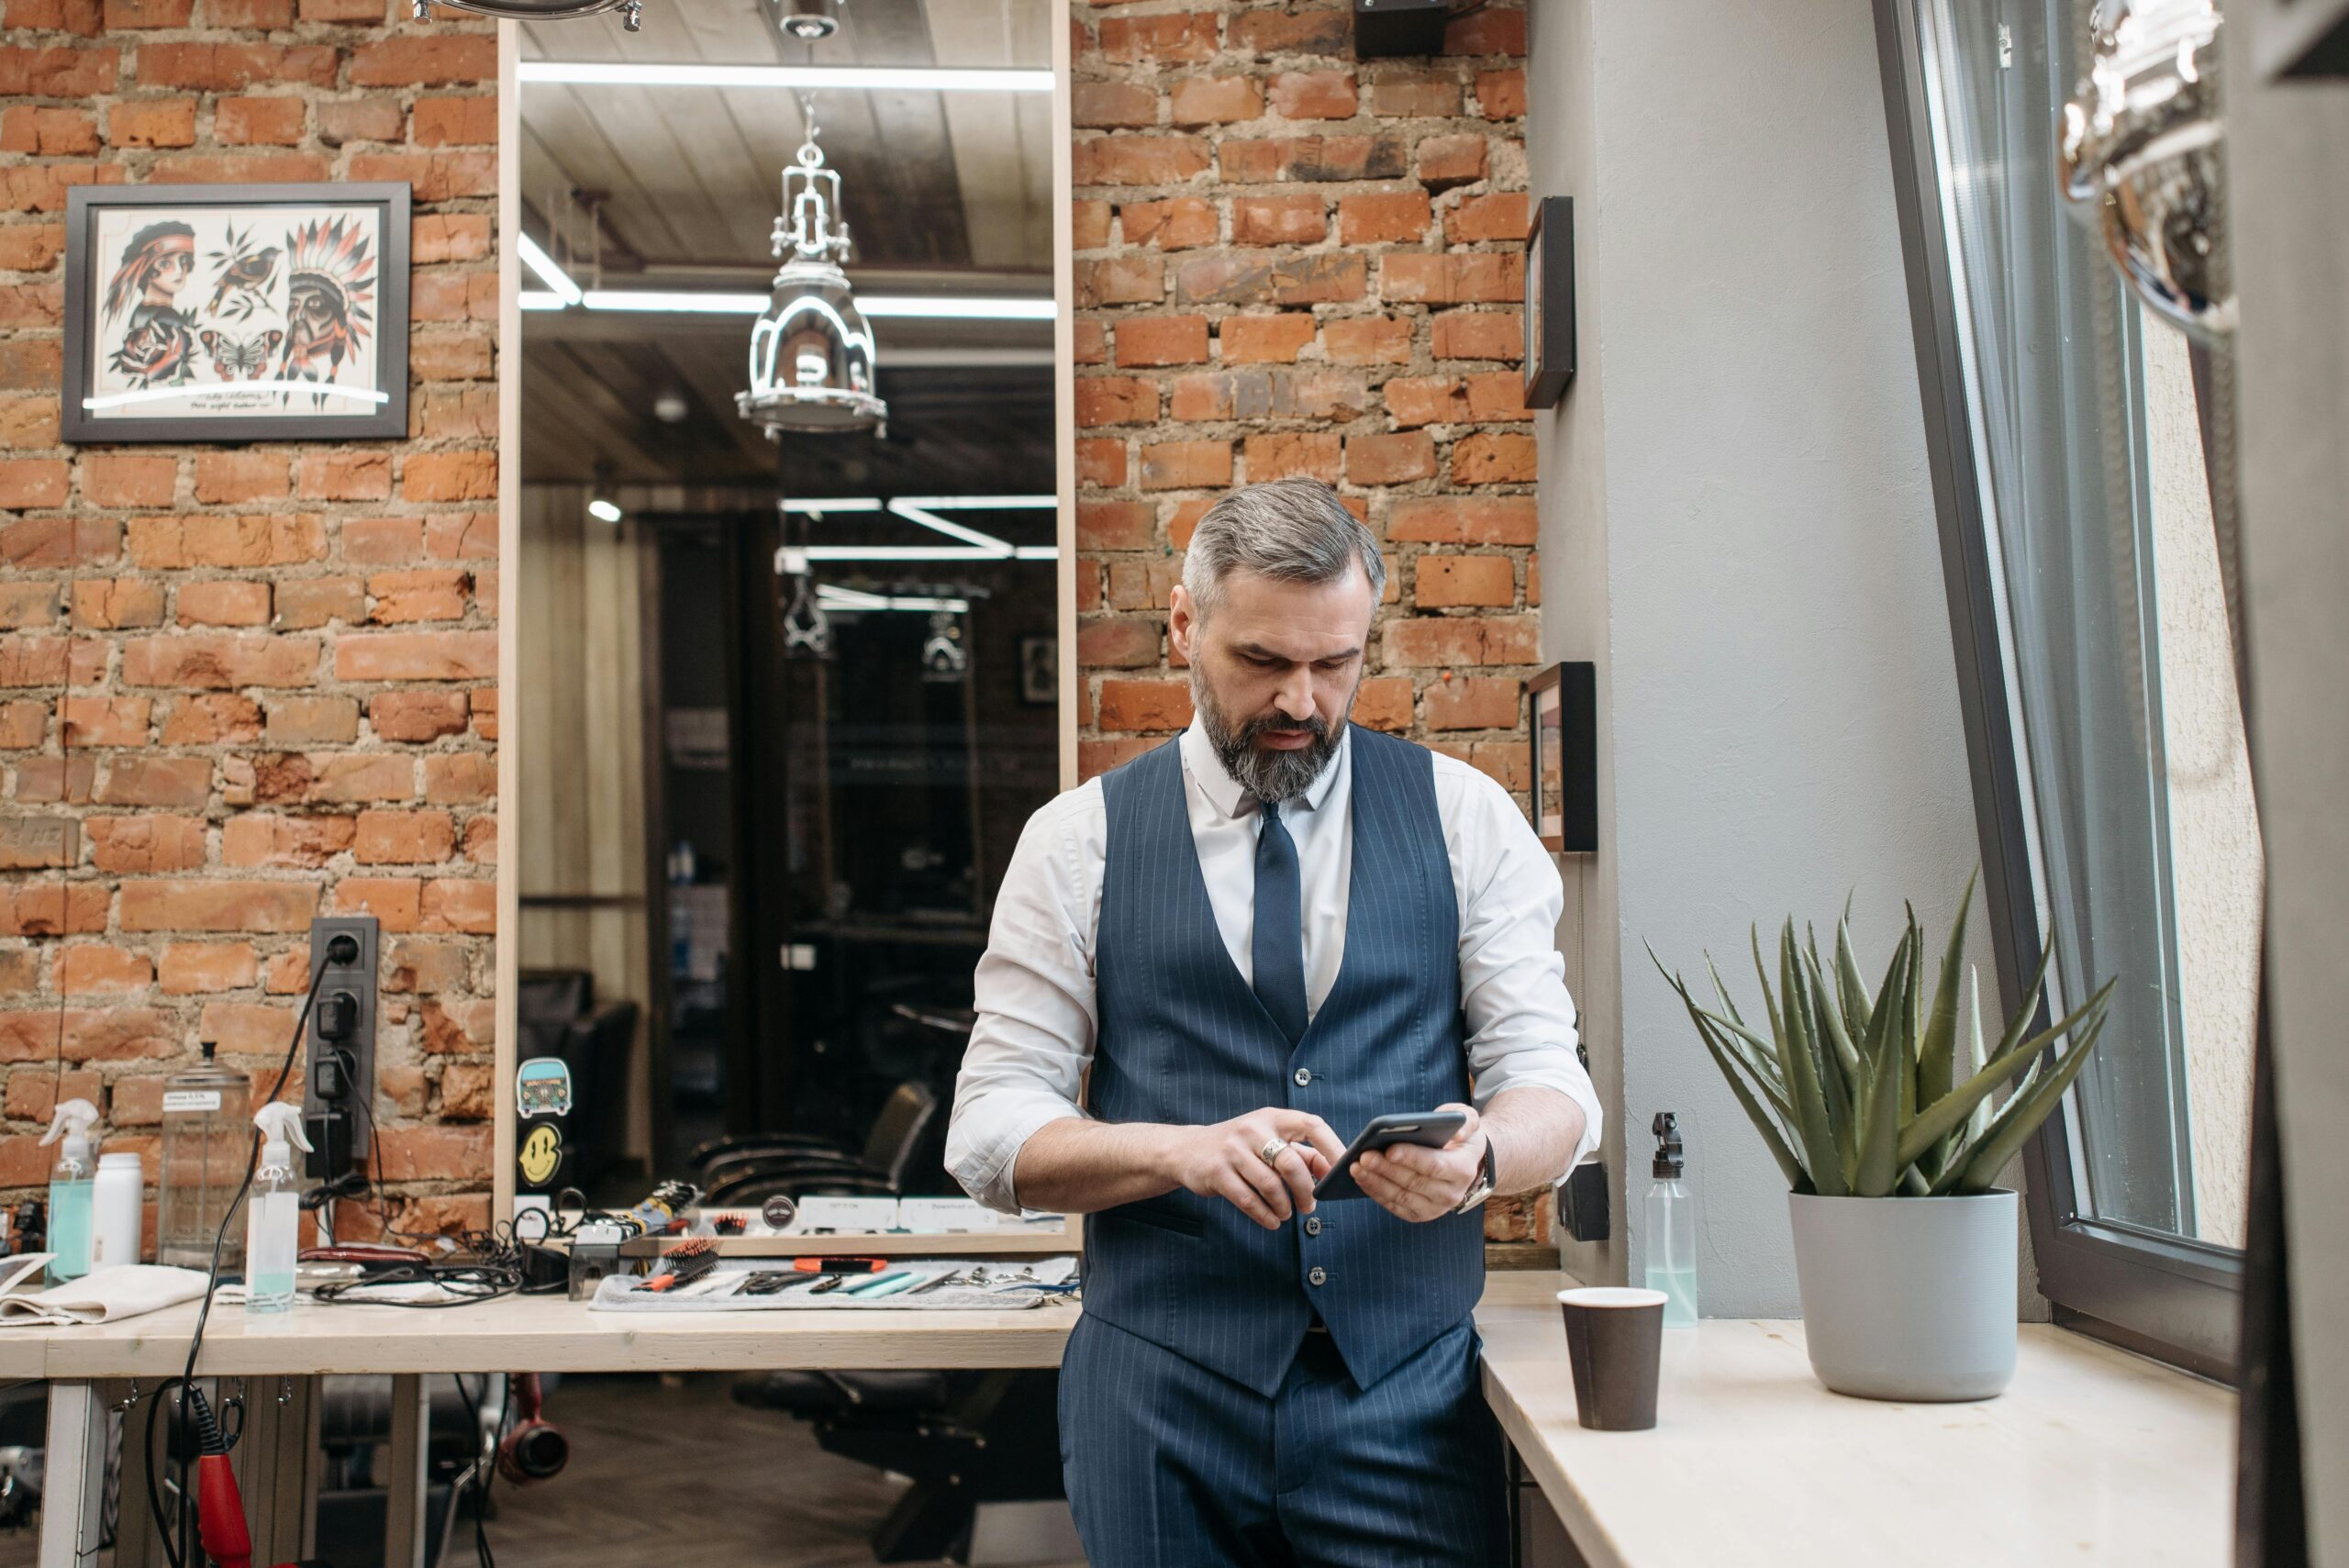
[
  {"x": 668, "y": 1471},
  {"x": 673, "y": 1471}
]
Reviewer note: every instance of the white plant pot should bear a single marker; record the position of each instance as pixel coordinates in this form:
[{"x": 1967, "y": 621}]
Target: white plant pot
[{"x": 1909, "y": 1298}]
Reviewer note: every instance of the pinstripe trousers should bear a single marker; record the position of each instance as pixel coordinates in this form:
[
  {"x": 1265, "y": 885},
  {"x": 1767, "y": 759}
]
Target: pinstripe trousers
[{"x": 1170, "y": 1466}]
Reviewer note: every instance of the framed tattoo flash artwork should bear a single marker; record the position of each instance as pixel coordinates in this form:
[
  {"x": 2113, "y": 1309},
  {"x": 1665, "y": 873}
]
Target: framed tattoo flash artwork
[{"x": 236, "y": 313}]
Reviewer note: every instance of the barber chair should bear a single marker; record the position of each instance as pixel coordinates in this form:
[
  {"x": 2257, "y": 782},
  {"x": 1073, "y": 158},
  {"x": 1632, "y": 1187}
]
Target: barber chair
[
  {"x": 964, "y": 1438},
  {"x": 748, "y": 1169}
]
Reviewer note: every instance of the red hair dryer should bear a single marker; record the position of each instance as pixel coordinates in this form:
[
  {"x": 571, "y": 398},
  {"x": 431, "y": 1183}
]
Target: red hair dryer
[
  {"x": 535, "y": 1450},
  {"x": 221, "y": 1517}
]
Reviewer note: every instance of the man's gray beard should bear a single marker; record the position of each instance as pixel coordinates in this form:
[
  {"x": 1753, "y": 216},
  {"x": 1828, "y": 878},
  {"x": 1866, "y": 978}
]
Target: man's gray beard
[{"x": 1271, "y": 775}]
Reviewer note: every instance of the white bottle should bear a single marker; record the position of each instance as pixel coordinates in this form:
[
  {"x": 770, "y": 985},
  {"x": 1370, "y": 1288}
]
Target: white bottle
[
  {"x": 114, "y": 1211},
  {"x": 273, "y": 1211}
]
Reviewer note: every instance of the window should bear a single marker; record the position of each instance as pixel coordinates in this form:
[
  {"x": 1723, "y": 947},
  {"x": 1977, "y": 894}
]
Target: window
[{"x": 2079, "y": 450}]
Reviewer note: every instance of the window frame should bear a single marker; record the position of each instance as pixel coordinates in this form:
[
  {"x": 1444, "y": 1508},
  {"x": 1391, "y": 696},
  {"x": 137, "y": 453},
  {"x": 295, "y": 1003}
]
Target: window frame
[{"x": 2165, "y": 1296}]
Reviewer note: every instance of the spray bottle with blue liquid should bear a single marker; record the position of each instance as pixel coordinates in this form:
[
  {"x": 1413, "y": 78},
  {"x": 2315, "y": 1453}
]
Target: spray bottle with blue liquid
[
  {"x": 71, "y": 1187},
  {"x": 273, "y": 1211}
]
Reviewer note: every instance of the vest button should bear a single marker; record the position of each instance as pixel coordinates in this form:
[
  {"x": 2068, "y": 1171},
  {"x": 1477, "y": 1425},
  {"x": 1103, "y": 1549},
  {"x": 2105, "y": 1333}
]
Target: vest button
[
  {"x": 1304, "y": 1076},
  {"x": 1317, "y": 1277},
  {"x": 1313, "y": 1225}
]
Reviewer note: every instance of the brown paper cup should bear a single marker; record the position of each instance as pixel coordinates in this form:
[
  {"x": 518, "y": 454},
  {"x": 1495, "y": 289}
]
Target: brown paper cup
[{"x": 1614, "y": 1337}]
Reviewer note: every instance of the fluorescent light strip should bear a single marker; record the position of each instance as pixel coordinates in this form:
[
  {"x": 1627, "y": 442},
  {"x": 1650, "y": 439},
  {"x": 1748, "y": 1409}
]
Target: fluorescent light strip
[
  {"x": 928, "y": 519},
  {"x": 871, "y": 79},
  {"x": 538, "y": 261},
  {"x": 878, "y": 307},
  {"x": 878, "y": 553},
  {"x": 834, "y": 598},
  {"x": 645, "y": 301},
  {"x": 923, "y": 509},
  {"x": 952, "y": 307},
  {"x": 168, "y": 394},
  {"x": 982, "y": 503}
]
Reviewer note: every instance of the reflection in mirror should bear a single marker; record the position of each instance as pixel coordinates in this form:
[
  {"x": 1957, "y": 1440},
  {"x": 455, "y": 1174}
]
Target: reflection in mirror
[{"x": 790, "y": 703}]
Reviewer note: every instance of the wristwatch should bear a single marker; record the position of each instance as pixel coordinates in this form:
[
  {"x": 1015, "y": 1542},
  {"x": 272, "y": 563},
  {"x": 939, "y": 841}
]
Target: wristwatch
[{"x": 1482, "y": 1187}]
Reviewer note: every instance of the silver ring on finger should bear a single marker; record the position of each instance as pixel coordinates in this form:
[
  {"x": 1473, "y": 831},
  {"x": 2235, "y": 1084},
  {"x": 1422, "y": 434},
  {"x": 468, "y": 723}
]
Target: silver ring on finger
[{"x": 1272, "y": 1152}]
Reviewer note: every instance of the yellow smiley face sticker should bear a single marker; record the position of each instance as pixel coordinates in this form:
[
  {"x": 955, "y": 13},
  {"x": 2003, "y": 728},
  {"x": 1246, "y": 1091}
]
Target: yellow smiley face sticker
[{"x": 541, "y": 1152}]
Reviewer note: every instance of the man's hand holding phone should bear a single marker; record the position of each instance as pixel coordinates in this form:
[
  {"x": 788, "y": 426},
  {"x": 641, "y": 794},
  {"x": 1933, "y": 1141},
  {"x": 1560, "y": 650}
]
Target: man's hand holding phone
[
  {"x": 1227, "y": 1160},
  {"x": 1418, "y": 1184}
]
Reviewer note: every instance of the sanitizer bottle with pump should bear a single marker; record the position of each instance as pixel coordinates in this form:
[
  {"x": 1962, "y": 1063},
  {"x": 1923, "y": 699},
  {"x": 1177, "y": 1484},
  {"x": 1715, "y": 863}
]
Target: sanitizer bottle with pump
[
  {"x": 70, "y": 1187},
  {"x": 1672, "y": 1227},
  {"x": 274, "y": 1227}
]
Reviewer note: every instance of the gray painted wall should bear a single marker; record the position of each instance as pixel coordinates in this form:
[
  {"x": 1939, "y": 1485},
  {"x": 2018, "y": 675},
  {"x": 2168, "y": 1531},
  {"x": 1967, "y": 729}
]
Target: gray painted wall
[
  {"x": 2290, "y": 200},
  {"x": 1736, "y": 523}
]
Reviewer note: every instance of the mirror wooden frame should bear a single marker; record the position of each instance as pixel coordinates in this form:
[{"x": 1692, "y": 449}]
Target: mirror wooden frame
[{"x": 511, "y": 697}]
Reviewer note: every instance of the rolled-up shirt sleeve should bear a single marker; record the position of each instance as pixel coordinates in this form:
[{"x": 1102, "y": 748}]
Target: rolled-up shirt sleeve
[
  {"x": 1521, "y": 1023},
  {"x": 1033, "y": 992}
]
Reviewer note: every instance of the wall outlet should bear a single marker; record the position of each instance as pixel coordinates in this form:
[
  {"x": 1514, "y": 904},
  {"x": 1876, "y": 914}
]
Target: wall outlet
[{"x": 338, "y": 1068}]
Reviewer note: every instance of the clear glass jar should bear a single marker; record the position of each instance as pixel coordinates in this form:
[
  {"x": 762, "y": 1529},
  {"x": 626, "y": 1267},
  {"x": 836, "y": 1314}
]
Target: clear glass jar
[{"x": 208, "y": 1138}]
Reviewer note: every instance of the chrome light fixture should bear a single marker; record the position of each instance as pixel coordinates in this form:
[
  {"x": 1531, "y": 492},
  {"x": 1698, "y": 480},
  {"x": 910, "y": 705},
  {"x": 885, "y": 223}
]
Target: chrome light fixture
[
  {"x": 811, "y": 351},
  {"x": 2143, "y": 157},
  {"x": 631, "y": 11},
  {"x": 808, "y": 21}
]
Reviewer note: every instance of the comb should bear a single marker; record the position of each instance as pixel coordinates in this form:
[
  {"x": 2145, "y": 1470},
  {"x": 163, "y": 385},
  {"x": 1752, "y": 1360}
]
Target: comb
[{"x": 687, "y": 1261}]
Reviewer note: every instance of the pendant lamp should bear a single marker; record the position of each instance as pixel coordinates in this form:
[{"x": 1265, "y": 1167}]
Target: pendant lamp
[{"x": 811, "y": 351}]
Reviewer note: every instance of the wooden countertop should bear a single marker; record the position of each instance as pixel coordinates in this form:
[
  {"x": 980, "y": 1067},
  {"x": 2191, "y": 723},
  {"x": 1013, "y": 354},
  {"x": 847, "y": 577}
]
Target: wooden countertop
[
  {"x": 2091, "y": 1456},
  {"x": 539, "y": 1333}
]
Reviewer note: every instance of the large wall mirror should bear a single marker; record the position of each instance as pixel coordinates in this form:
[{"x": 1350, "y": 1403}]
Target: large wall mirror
[{"x": 778, "y": 706}]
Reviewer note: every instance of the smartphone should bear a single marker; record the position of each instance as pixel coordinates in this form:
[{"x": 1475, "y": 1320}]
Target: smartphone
[{"x": 1430, "y": 1129}]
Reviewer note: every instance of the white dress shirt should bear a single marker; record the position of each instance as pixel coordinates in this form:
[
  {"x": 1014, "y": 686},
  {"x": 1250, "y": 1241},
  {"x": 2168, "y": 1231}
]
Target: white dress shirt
[{"x": 1035, "y": 993}]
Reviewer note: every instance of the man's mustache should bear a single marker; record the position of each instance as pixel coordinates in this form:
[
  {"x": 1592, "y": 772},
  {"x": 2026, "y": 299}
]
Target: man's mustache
[{"x": 1316, "y": 727}]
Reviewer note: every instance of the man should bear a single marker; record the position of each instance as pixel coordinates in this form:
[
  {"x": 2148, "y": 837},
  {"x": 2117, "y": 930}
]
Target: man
[{"x": 1258, "y": 937}]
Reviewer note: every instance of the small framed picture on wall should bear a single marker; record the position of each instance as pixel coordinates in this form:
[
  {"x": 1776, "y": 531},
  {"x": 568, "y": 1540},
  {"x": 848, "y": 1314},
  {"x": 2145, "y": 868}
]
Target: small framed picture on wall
[
  {"x": 1039, "y": 671},
  {"x": 236, "y": 313},
  {"x": 1550, "y": 302},
  {"x": 1563, "y": 723}
]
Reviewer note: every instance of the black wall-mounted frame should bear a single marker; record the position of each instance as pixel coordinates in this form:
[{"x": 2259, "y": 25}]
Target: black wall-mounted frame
[
  {"x": 2301, "y": 39},
  {"x": 1550, "y": 302},
  {"x": 387, "y": 311},
  {"x": 2163, "y": 1295},
  {"x": 1561, "y": 712}
]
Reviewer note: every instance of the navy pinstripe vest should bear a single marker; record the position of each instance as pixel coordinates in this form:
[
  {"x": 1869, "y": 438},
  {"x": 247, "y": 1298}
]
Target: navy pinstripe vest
[{"x": 1182, "y": 1038}]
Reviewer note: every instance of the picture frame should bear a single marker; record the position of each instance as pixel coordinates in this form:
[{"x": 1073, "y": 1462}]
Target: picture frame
[
  {"x": 1039, "y": 671},
  {"x": 1550, "y": 302},
  {"x": 236, "y": 313},
  {"x": 1561, "y": 733},
  {"x": 2301, "y": 40}
]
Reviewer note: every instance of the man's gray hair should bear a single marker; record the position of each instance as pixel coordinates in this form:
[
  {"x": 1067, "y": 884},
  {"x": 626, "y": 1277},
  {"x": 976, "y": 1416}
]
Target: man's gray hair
[{"x": 1291, "y": 530}]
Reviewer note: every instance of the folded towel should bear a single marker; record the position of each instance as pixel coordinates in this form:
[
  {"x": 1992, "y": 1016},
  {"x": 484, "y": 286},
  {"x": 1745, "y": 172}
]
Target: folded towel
[{"x": 104, "y": 1295}]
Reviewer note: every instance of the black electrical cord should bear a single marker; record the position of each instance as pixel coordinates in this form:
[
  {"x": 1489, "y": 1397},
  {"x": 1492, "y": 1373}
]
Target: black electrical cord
[
  {"x": 485, "y": 1465},
  {"x": 179, "y": 1558}
]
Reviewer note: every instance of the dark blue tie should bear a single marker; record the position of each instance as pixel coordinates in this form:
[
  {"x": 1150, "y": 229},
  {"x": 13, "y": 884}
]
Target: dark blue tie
[{"x": 1277, "y": 947}]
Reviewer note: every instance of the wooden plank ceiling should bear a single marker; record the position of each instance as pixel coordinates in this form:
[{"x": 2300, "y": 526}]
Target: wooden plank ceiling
[{"x": 677, "y": 188}]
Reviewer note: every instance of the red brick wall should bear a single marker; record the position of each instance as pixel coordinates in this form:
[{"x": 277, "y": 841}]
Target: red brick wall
[
  {"x": 1290, "y": 262},
  {"x": 281, "y": 655}
]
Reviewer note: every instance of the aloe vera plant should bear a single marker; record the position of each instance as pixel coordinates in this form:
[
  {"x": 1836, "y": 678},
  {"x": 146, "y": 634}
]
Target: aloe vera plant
[{"x": 1883, "y": 1095}]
